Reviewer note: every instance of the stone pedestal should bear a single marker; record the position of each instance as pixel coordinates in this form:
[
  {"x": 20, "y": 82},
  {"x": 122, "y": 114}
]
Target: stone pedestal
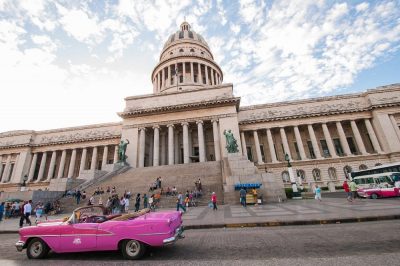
[{"x": 241, "y": 170}]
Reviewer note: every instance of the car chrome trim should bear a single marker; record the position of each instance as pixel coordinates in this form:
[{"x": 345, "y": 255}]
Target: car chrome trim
[
  {"x": 20, "y": 245},
  {"x": 154, "y": 234},
  {"x": 173, "y": 239}
]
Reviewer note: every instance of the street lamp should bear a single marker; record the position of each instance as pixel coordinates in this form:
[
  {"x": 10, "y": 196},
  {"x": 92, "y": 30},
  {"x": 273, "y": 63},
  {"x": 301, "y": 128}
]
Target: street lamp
[
  {"x": 25, "y": 178},
  {"x": 296, "y": 193}
]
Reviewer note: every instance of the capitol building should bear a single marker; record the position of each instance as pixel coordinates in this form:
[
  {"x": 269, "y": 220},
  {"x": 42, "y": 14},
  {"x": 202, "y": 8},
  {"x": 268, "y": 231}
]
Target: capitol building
[{"x": 177, "y": 132}]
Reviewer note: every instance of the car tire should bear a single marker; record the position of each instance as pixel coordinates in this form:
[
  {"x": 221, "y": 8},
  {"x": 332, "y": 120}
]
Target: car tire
[
  {"x": 37, "y": 249},
  {"x": 374, "y": 196},
  {"x": 133, "y": 249}
]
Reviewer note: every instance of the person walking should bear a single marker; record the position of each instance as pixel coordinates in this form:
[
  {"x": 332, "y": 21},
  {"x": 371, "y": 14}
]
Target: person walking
[
  {"x": 347, "y": 190},
  {"x": 179, "y": 202},
  {"x": 242, "y": 194},
  {"x": 26, "y": 212},
  {"x": 318, "y": 193},
  {"x": 137, "y": 204},
  {"x": 1, "y": 211},
  {"x": 353, "y": 189},
  {"x": 78, "y": 197},
  {"x": 254, "y": 192},
  {"x": 145, "y": 201},
  {"x": 126, "y": 205},
  {"x": 39, "y": 212},
  {"x": 214, "y": 201}
]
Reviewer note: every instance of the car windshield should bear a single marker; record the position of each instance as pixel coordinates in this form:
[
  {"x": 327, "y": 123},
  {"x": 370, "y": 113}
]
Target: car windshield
[{"x": 84, "y": 212}]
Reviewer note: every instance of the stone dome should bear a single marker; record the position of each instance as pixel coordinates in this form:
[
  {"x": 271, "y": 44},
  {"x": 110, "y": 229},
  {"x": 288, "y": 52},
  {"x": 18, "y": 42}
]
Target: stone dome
[{"x": 186, "y": 62}]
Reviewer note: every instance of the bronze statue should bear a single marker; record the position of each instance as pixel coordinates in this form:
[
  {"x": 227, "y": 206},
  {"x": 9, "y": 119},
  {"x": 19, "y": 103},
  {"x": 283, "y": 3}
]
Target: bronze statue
[
  {"x": 122, "y": 150},
  {"x": 231, "y": 144}
]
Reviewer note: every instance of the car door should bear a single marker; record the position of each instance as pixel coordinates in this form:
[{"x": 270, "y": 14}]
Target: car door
[{"x": 78, "y": 237}]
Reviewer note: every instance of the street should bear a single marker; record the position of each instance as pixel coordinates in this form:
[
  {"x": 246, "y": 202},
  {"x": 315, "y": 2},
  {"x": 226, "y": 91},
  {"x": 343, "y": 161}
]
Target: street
[{"x": 356, "y": 243}]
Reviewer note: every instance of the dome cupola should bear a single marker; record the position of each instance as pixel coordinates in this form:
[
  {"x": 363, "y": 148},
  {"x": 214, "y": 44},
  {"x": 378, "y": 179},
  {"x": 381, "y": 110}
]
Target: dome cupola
[{"x": 186, "y": 62}]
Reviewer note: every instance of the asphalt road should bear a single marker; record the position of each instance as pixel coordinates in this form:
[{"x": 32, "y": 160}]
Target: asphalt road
[{"x": 374, "y": 243}]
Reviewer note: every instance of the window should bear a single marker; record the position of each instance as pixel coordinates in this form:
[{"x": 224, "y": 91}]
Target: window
[
  {"x": 180, "y": 79},
  {"x": 363, "y": 167},
  {"x": 301, "y": 174},
  {"x": 190, "y": 34},
  {"x": 285, "y": 177},
  {"x": 181, "y": 35},
  {"x": 2, "y": 170},
  {"x": 171, "y": 53},
  {"x": 347, "y": 170},
  {"x": 262, "y": 153},
  {"x": 338, "y": 147},
  {"x": 249, "y": 154},
  {"x": 332, "y": 173},
  {"x": 296, "y": 148},
  {"x": 195, "y": 78},
  {"x": 192, "y": 50},
  {"x": 311, "y": 150},
  {"x": 181, "y": 50},
  {"x": 316, "y": 174},
  {"x": 324, "y": 147},
  {"x": 352, "y": 146},
  {"x": 195, "y": 151}
]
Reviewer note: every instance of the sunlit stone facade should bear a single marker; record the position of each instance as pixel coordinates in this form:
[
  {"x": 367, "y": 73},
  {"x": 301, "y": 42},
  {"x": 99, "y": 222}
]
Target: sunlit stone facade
[{"x": 183, "y": 122}]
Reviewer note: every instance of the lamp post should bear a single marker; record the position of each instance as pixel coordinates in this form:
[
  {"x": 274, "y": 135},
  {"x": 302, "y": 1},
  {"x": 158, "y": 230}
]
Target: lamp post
[{"x": 296, "y": 193}]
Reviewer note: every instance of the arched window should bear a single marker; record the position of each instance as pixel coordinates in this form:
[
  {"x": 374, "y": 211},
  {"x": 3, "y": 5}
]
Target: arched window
[
  {"x": 332, "y": 173},
  {"x": 192, "y": 50},
  {"x": 316, "y": 174},
  {"x": 363, "y": 167},
  {"x": 202, "y": 53},
  {"x": 285, "y": 177},
  {"x": 181, "y": 50},
  {"x": 347, "y": 170},
  {"x": 300, "y": 173},
  {"x": 171, "y": 53},
  {"x": 378, "y": 164}
]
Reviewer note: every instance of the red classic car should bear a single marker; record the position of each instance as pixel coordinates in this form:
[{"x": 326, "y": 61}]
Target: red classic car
[
  {"x": 90, "y": 229},
  {"x": 379, "y": 192}
]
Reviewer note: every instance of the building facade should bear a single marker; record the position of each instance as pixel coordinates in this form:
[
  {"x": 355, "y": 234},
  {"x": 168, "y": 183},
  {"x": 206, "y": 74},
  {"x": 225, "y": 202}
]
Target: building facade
[{"x": 184, "y": 120}]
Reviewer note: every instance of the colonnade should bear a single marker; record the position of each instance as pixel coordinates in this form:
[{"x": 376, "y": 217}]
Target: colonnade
[
  {"x": 314, "y": 149},
  {"x": 164, "y": 144},
  {"x": 192, "y": 72}
]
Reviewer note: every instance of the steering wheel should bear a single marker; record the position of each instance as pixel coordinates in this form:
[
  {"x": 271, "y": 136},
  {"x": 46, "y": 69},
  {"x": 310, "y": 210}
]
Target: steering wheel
[{"x": 83, "y": 218}]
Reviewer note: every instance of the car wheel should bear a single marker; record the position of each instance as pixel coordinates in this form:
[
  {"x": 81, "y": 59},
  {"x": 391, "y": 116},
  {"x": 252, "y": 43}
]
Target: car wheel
[
  {"x": 374, "y": 196},
  {"x": 37, "y": 249},
  {"x": 132, "y": 249}
]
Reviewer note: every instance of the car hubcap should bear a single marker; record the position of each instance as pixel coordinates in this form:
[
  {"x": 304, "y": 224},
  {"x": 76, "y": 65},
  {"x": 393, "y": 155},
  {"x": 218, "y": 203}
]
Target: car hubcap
[
  {"x": 36, "y": 249},
  {"x": 132, "y": 248}
]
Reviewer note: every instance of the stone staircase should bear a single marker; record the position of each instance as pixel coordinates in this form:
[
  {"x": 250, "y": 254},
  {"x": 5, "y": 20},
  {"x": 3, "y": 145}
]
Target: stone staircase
[{"x": 138, "y": 180}]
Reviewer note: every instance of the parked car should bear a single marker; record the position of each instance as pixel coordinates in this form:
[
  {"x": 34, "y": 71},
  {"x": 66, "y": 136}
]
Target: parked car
[
  {"x": 379, "y": 192},
  {"x": 90, "y": 229}
]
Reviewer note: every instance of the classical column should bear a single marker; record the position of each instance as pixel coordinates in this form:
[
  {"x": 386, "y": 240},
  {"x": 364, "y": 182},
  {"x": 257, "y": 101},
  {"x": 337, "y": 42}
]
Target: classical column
[
  {"x": 191, "y": 72},
  {"x": 83, "y": 160},
  {"x": 314, "y": 141},
  {"x": 257, "y": 145},
  {"x": 200, "y": 74},
  {"x": 32, "y": 167},
  {"x": 105, "y": 156},
  {"x": 206, "y": 70},
  {"x": 372, "y": 136},
  {"x": 94, "y": 159},
  {"x": 162, "y": 78},
  {"x": 170, "y": 144},
  {"x": 185, "y": 140},
  {"x": 156, "y": 146},
  {"x": 169, "y": 76},
  {"x": 163, "y": 149},
  {"x": 212, "y": 76},
  {"x": 217, "y": 149},
  {"x": 343, "y": 139},
  {"x": 115, "y": 159},
  {"x": 329, "y": 141},
  {"x": 190, "y": 143},
  {"x": 358, "y": 138},
  {"x": 6, "y": 171},
  {"x": 1, "y": 167},
  {"x": 184, "y": 71},
  {"x": 200, "y": 133},
  {"x": 142, "y": 145},
  {"x": 243, "y": 141},
  {"x": 396, "y": 127},
  {"x": 52, "y": 165},
  {"x": 271, "y": 146},
  {"x": 62, "y": 164},
  {"x": 158, "y": 81},
  {"x": 42, "y": 167},
  {"x": 285, "y": 142},
  {"x": 299, "y": 143},
  {"x": 176, "y": 147},
  {"x": 72, "y": 164}
]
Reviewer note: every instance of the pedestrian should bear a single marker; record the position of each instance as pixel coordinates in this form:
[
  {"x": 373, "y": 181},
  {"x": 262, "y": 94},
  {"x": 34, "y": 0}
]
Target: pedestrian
[
  {"x": 159, "y": 181},
  {"x": 151, "y": 202},
  {"x": 254, "y": 192},
  {"x": 179, "y": 202},
  {"x": 214, "y": 201},
  {"x": 122, "y": 204},
  {"x": 353, "y": 189},
  {"x": 347, "y": 190},
  {"x": 318, "y": 193},
  {"x": 39, "y": 212},
  {"x": 108, "y": 205},
  {"x": 78, "y": 197},
  {"x": 137, "y": 203},
  {"x": 100, "y": 201},
  {"x": 145, "y": 201},
  {"x": 25, "y": 213},
  {"x": 108, "y": 190},
  {"x": 115, "y": 204},
  {"x": 126, "y": 204},
  {"x": 242, "y": 194},
  {"x": 1, "y": 211},
  {"x": 113, "y": 190},
  {"x": 91, "y": 200},
  {"x": 83, "y": 195}
]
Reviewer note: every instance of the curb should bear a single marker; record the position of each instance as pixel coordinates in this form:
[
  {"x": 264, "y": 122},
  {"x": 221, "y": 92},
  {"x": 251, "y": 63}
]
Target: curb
[
  {"x": 291, "y": 223},
  {"x": 276, "y": 223}
]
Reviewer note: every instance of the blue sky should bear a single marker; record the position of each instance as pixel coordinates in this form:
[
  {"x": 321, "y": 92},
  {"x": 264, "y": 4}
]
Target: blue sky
[{"x": 69, "y": 63}]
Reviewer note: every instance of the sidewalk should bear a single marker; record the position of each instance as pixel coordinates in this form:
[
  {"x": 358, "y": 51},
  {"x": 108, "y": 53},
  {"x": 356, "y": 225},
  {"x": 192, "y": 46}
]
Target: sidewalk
[{"x": 294, "y": 212}]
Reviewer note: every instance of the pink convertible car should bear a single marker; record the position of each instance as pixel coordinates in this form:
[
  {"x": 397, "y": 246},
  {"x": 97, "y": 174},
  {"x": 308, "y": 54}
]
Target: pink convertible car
[{"x": 89, "y": 229}]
